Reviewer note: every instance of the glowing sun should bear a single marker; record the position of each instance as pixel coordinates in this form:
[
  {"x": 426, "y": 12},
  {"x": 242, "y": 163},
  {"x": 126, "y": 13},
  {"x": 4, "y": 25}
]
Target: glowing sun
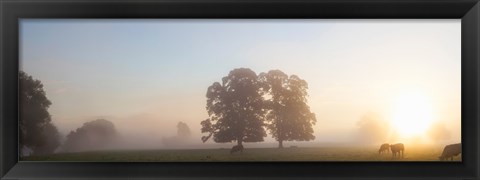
[{"x": 412, "y": 114}]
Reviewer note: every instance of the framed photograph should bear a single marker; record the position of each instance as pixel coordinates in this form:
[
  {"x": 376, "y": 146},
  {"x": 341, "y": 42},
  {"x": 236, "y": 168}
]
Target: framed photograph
[{"x": 239, "y": 89}]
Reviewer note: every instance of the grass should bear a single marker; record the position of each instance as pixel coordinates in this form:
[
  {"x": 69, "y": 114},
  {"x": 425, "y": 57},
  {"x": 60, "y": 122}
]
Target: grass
[{"x": 249, "y": 154}]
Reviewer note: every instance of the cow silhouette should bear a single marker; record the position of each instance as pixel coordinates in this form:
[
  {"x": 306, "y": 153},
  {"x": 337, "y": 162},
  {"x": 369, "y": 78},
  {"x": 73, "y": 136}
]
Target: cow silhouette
[
  {"x": 384, "y": 148},
  {"x": 451, "y": 150},
  {"x": 397, "y": 149}
]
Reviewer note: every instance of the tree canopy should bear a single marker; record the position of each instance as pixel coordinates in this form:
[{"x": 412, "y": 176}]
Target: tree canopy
[
  {"x": 183, "y": 131},
  {"x": 35, "y": 124},
  {"x": 183, "y": 136},
  {"x": 235, "y": 109},
  {"x": 244, "y": 104},
  {"x": 95, "y": 134},
  {"x": 288, "y": 115}
]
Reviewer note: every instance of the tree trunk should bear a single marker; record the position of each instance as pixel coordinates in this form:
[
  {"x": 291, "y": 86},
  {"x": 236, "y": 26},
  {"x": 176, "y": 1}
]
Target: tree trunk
[
  {"x": 280, "y": 144},
  {"x": 239, "y": 142}
]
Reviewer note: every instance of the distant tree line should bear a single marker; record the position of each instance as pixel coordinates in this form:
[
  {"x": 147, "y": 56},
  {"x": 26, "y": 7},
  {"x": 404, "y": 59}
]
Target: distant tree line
[
  {"x": 244, "y": 105},
  {"x": 183, "y": 134},
  {"x": 95, "y": 133}
]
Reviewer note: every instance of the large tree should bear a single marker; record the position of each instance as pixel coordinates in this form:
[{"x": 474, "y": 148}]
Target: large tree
[
  {"x": 235, "y": 109},
  {"x": 289, "y": 117},
  {"x": 36, "y": 129}
]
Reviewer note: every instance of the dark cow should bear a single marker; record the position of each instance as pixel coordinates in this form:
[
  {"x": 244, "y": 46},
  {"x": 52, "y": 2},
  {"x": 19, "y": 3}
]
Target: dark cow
[
  {"x": 397, "y": 148},
  {"x": 236, "y": 149},
  {"x": 383, "y": 148},
  {"x": 451, "y": 150}
]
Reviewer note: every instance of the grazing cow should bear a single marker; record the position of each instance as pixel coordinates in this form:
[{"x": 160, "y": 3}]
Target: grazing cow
[
  {"x": 397, "y": 148},
  {"x": 451, "y": 150},
  {"x": 384, "y": 148},
  {"x": 236, "y": 149}
]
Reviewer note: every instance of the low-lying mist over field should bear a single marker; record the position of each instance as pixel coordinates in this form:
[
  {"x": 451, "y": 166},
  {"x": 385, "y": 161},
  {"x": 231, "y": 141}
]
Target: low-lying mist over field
[{"x": 136, "y": 134}]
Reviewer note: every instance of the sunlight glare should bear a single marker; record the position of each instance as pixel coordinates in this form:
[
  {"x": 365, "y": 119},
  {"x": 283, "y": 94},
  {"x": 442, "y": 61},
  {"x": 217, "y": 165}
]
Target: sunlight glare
[{"x": 412, "y": 114}]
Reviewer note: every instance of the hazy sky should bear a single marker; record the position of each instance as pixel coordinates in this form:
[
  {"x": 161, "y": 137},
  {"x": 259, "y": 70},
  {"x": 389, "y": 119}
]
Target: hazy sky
[{"x": 147, "y": 75}]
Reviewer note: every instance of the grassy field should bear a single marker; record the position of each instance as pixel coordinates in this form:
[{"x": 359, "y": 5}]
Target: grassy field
[{"x": 249, "y": 154}]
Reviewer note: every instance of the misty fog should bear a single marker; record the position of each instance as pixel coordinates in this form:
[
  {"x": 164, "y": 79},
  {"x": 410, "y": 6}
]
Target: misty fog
[{"x": 146, "y": 84}]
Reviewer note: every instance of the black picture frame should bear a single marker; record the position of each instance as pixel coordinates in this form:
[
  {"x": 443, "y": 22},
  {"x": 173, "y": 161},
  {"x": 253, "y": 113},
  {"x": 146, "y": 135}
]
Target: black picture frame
[{"x": 466, "y": 10}]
